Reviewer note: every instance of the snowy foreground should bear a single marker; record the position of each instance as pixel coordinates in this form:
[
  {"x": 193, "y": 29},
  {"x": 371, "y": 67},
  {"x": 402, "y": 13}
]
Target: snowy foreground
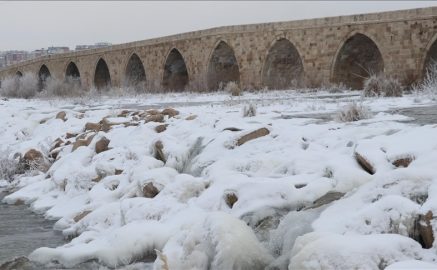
[{"x": 199, "y": 195}]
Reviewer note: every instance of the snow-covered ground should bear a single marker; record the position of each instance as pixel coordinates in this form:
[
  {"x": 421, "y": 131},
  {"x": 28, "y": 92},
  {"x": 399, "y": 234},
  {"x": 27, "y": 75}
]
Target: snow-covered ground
[{"x": 195, "y": 196}]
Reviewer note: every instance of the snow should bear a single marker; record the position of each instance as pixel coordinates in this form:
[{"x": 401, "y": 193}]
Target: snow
[{"x": 98, "y": 200}]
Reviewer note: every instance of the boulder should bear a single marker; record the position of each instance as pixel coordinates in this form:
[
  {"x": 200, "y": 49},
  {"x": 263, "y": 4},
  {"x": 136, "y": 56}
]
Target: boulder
[
  {"x": 17, "y": 263},
  {"x": 155, "y": 118},
  {"x": 61, "y": 115},
  {"x": 230, "y": 199},
  {"x": 327, "y": 198},
  {"x": 81, "y": 215},
  {"x": 191, "y": 117},
  {"x": 33, "y": 159},
  {"x": 422, "y": 230},
  {"x": 253, "y": 135},
  {"x": 161, "y": 128},
  {"x": 152, "y": 112},
  {"x": 57, "y": 143},
  {"x": 105, "y": 125},
  {"x": 403, "y": 162},
  {"x": 124, "y": 113},
  {"x": 149, "y": 190},
  {"x": 170, "y": 112},
  {"x": 70, "y": 135},
  {"x": 93, "y": 127},
  {"x": 78, "y": 143},
  {"x": 364, "y": 163},
  {"x": 158, "y": 150},
  {"x": 102, "y": 145}
]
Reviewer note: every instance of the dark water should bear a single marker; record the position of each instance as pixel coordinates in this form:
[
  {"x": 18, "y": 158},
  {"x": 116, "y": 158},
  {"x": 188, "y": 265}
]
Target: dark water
[
  {"x": 22, "y": 231},
  {"x": 421, "y": 115}
]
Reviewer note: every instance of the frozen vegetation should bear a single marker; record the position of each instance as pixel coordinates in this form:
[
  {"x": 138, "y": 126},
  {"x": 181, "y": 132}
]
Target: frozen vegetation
[{"x": 264, "y": 180}]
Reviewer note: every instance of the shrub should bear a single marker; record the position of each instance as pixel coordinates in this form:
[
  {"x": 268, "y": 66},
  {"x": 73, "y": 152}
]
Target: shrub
[
  {"x": 20, "y": 87},
  {"x": 353, "y": 112},
  {"x": 10, "y": 167},
  {"x": 379, "y": 85},
  {"x": 71, "y": 87},
  {"x": 429, "y": 83},
  {"x": 232, "y": 88},
  {"x": 249, "y": 110}
]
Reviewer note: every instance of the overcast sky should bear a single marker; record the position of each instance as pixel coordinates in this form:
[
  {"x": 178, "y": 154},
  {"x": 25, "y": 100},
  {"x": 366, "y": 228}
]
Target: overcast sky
[{"x": 33, "y": 25}]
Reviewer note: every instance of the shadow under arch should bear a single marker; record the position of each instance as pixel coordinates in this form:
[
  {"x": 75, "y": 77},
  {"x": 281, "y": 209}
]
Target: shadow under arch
[
  {"x": 222, "y": 67},
  {"x": 175, "y": 77},
  {"x": 357, "y": 59},
  {"x": 43, "y": 76},
  {"x": 283, "y": 66},
  {"x": 102, "y": 77},
  {"x": 135, "y": 74}
]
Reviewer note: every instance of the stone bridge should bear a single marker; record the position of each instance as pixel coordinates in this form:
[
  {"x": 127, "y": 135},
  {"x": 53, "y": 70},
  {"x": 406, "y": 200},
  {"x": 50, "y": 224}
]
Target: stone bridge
[{"x": 280, "y": 55}]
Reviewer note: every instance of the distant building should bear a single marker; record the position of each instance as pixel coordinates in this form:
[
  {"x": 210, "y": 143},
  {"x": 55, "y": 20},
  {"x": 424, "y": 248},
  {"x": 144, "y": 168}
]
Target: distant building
[
  {"x": 37, "y": 53},
  {"x": 95, "y": 46},
  {"x": 56, "y": 50},
  {"x": 14, "y": 57}
]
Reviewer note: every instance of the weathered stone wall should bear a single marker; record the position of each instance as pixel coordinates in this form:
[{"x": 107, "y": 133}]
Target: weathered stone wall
[{"x": 402, "y": 37}]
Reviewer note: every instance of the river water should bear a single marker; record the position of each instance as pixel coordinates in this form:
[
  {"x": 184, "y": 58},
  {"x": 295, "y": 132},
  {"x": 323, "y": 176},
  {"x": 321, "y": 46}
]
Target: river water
[{"x": 22, "y": 231}]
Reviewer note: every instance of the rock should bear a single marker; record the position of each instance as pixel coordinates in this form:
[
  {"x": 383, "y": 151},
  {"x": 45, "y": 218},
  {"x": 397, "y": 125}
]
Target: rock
[
  {"x": 253, "y": 135},
  {"x": 161, "y": 128},
  {"x": 124, "y": 113},
  {"x": 230, "y": 199},
  {"x": 327, "y": 198},
  {"x": 403, "y": 162},
  {"x": 170, "y": 112},
  {"x": 130, "y": 124},
  {"x": 102, "y": 145},
  {"x": 152, "y": 112},
  {"x": 34, "y": 159},
  {"x": 191, "y": 117},
  {"x": 78, "y": 143},
  {"x": 54, "y": 153},
  {"x": 70, "y": 135},
  {"x": 105, "y": 125},
  {"x": 61, "y": 115},
  {"x": 92, "y": 126},
  {"x": 155, "y": 118},
  {"x": 299, "y": 186},
  {"x": 57, "y": 143},
  {"x": 422, "y": 231},
  {"x": 97, "y": 178},
  {"x": 118, "y": 172},
  {"x": 233, "y": 129},
  {"x": 364, "y": 163},
  {"x": 19, "y": 202},
  {"x": 149, "y": 190},
  {"x": 159, "y": 153},
  {"x": 90, "y": 138},
  {"x": 81, "y": 215},
  {"x": 17, "y": 263}
]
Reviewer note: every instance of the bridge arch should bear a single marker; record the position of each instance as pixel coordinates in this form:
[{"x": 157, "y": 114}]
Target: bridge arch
[
  {"x": 430, "y": 57},
  {"x": 102, "y": 77},
  {"x": 222, "y": 66},
  {"x": 135, "y": 74},
  {"x": 72, "y": 73},
  {"x": 357, "y": 58},
  {"x": 19, "y": 74},
  {"x": 283, "y": 66},
  {"x": 175, "y": 77},
  {"x": 43, "y": 76}
]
